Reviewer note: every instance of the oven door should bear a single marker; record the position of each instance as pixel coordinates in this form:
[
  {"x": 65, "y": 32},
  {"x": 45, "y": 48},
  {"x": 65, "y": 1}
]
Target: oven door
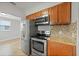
[{"x": 39, "y": 46}]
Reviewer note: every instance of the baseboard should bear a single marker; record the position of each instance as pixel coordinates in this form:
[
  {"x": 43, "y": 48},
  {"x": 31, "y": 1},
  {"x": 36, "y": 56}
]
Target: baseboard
[{"x": 9, "y": 39}]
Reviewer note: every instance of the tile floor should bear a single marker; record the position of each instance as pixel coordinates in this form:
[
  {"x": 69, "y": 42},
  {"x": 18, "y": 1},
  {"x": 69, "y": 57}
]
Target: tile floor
[{"x": 11, "y": 48}]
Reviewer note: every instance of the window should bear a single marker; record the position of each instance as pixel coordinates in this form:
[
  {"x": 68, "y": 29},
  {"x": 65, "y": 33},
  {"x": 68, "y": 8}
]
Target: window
[{"x": 5, "y": 25}]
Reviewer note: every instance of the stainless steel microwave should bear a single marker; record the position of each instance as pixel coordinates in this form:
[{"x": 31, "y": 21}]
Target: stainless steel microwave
[{"x": 42, "y": 21}]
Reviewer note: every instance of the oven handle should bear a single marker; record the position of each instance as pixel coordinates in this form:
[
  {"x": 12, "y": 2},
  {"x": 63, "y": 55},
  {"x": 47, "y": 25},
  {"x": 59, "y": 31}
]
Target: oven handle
[{"x": 36, "y": 39}]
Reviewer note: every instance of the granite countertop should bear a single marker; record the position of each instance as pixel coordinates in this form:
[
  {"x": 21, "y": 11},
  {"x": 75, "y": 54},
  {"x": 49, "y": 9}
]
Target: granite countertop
[{"x": 64, "y": 40}]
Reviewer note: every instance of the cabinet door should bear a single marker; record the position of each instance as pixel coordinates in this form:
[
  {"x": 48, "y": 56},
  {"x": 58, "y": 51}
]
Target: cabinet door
[
  {"x": 74, "y": 51},
  {"x": 53, "y": 15},
  {"x": 38, "y": 14},
  {"x": 34, "y": 15},
  {"x": 44, "y": 12},
  {"x": 64, "y": 13},
  {"x": 29, "y": 17},
  {"x": 59, "y": 49}
]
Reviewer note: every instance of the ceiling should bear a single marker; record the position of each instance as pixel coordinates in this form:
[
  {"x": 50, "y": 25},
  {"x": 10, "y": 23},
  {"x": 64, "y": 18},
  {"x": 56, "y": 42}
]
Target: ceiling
[{"x": 31, "y": 7}]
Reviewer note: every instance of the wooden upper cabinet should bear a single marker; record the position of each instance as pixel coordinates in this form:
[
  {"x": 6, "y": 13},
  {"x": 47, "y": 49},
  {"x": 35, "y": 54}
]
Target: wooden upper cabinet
[
  {"x": 34, "y": 15},
  {"x": 59, "y": 14},
  {"x": 53, "y": 15},
  {"x": 64, "y": 13},
  {"x": 29, "y": 17},
  {"x": 38, "y": 14},
  {"x": 60, "y": 49},
  {"x": 44, "y": 12}
]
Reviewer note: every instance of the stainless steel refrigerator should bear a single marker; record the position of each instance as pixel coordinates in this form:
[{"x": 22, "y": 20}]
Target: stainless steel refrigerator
[{"x": 29, "y": 29}]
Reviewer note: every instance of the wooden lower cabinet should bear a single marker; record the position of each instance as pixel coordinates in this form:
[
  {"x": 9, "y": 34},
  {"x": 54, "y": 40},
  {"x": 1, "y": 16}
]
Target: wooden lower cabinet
[{"x": 60, "y": 49}]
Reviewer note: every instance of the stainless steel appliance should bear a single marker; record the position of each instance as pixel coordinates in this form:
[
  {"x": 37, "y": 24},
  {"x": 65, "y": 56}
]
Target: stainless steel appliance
[
  {"x": 25, "y": 39},
  {"x": 39, "y": 47},
  {"x": 43, "y": 33},
  {"x": 44, "y": 20},
  {"x": 39, "y": 43},
  {"x": 29, "y": 29}
]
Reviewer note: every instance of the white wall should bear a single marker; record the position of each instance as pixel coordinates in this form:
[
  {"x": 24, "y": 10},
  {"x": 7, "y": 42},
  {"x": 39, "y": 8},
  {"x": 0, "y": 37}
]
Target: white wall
[
  {"x": 77, "y": 48},
  {"x": 15, "y": 28},
  {"x": 74, "y": 12},
  {"x": 75, "y": 15}
]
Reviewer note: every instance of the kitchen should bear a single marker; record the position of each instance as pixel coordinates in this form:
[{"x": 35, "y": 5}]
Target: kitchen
[
  {"x": 54, "y": 31},
  {"x": 40, "y": 28}
]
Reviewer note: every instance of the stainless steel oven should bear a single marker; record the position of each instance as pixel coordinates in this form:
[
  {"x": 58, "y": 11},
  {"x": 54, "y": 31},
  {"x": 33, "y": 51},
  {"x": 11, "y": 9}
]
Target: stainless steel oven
[{"x": 38, "y": 47}]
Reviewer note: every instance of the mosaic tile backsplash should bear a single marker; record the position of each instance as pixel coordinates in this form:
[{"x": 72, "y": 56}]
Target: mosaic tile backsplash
[{"x": 64, "y": 33}]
